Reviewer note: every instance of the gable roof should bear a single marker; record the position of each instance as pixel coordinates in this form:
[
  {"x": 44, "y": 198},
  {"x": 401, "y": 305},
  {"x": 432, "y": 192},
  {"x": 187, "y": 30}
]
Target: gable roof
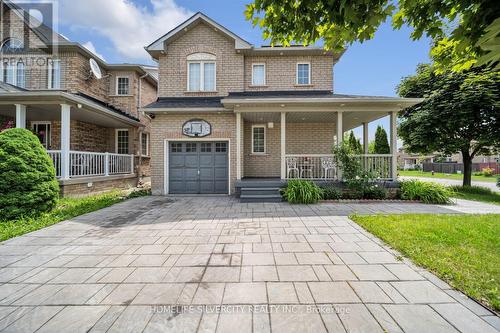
[{"x": 158, "y": 45}]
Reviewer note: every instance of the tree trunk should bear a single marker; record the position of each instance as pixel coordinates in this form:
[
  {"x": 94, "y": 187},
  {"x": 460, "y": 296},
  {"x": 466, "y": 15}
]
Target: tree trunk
[{"x": 467, "y": 169}]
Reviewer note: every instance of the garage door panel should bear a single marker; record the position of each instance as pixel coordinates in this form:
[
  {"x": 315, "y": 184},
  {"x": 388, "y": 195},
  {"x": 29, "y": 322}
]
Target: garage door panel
[
  {"x": 220, "y": 160},
  {"x": 207, "y": 187},
  {"x": 206, "y": 160},
  {"x": 176, "y": 160},
  {"x": 191, "y": 161},
  {"x": 201, "y": 169},
  {"x": 207, "y": 174}
]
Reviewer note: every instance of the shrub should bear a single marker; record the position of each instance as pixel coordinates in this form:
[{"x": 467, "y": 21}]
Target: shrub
[
  {"x": 331, "y": 193},
  {"x": 302, "y": 192},
  {"x": 488, "y": 172},
  {"x": 27, "y": 176},
  {"x": 426, "y": 192},
  {"x": 374, "y": 191}
]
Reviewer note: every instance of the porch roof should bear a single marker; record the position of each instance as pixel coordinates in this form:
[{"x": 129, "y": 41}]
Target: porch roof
[
  {"x": 320, "y": 98},
  {"x": 92, "y": 109}
]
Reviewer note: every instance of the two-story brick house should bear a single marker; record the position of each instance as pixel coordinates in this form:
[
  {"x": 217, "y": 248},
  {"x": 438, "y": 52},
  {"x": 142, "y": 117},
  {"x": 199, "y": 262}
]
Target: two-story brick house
[
  {"x": 230, "y": 114},
  {"x": 88, "y": 119}
]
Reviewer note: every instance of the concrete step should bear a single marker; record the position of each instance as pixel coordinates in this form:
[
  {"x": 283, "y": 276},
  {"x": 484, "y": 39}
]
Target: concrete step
[
  {"x": 260, "y": 198},
  {"x": 260, "y": 191}
]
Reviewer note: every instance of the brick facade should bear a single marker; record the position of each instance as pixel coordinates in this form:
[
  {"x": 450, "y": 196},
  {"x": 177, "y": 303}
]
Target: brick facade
[{"x": 165, "y": 127}]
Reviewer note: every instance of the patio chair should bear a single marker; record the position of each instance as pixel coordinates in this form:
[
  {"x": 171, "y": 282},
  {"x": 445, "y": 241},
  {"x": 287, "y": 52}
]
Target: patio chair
[
  {"x": 327, "y": 163},
  {"x": 291, "y": 166}
]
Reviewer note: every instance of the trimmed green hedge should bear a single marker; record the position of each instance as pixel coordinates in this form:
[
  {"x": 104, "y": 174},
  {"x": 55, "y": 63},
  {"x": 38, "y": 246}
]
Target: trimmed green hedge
[{"x": 28, "y": 184}]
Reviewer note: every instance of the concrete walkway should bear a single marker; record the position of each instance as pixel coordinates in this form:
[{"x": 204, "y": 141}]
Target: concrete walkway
[
  {"x": 137, "y": 266},
  {"x": 451, "y": 182}
]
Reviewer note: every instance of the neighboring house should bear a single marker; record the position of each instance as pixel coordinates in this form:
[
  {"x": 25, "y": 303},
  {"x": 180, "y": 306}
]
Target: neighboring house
[
  {"x": 409, "y": 161},
  {"x": 230, "y": 115},
  {"x": 87, "y": 119}
]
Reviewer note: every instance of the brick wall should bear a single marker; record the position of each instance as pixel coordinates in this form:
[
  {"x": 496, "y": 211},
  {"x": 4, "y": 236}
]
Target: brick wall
[
  {"x": 166, "y": 126},
  {"x": 301, "y": 138},
  {"x": 281, "y": 72},
  {"x": 202, "y": 38}
]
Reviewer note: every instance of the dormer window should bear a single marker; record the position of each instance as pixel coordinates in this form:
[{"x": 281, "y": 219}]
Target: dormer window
[
  {"x": 122, "y": 86},
  {"x": 201, "y": 72}
]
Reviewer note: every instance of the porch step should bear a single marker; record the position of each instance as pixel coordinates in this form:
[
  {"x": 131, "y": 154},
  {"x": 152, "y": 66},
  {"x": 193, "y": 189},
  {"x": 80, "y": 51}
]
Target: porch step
[{"x": 260, "y": 194}]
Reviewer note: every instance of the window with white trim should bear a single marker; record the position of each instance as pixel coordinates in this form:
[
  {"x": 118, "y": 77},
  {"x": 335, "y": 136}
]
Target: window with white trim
[
  {"x": 145, "y": 144},
  {"x": 20, "y": 75},
  {"x": 122, "y": 141},
  {"x": 258, "y": 74},
  {"x": 258, "y": 139},
  {"x": 14, "y": 74},
  {"x": 54, "y": 74},
  {"x": 42, "y": 130},
  {"x": 201, "y": 72},
  {"x": 122, "y": 86},
  {"x": 303, "y": 73}
]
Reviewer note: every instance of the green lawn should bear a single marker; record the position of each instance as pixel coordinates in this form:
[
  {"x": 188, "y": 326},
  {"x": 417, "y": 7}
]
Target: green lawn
[
  {"x": 476, "y": 193},
  {"x": 454, "y": 176},
  {"x": 66, "y": 208},
  {"x": 464, "y": 250}
]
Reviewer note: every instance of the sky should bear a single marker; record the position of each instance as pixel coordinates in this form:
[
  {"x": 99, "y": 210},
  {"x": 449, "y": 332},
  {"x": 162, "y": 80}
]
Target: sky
[{"x": 118, "y": 30}]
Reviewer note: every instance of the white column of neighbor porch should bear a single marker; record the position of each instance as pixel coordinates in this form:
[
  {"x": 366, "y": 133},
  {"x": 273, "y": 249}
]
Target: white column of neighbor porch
[
  {"x": 394, "y": 144},
  {"x": 65, "y": 140},
  {"x": 20, "y": 116}
]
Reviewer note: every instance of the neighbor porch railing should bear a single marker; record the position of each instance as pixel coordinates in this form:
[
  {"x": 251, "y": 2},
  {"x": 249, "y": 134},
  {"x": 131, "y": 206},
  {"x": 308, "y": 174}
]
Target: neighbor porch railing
[
  {"x": 323, "y": 166},
  {"x": 90, "y": 164}
]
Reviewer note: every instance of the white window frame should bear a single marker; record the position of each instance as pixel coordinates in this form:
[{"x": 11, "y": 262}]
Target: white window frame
[
  {"x": 297, "y": 74},
  {"x": 147, "y": 144},
  {"x": 49, "y": 137},
  {"x": 16, "y": 75},
  {"x": 50, "y": 66},
  {"x": 265, "y": 135},
  {"x": 202, "y": 74},
  {"x": 117, "y": 92},
  {"x": 116, "y": 139},
  {"x": 265, "y": 73}
]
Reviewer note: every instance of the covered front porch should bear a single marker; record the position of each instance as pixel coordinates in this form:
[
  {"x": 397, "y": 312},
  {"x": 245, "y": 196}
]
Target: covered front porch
[
  {"x": 292, "y": 138},
  {"x": 88, "y": 142}
]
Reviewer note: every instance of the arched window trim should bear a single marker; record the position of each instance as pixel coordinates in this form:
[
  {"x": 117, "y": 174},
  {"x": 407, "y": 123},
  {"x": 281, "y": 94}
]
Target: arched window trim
[{"x": 201, "y": 56}]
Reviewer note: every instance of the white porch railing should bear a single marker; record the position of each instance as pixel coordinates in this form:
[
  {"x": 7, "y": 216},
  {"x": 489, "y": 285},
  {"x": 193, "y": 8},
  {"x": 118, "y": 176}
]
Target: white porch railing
[
  {"x": 90, "y": 164},
  {"x": 323, "y": 166}
]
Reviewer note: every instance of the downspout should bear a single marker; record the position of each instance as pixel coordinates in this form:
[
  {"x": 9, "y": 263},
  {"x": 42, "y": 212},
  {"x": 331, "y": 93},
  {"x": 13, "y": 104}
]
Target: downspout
[{"x": 139, "y": 105}]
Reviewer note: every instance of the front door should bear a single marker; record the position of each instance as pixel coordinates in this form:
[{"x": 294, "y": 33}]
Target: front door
[
  {"x": 43, "y": 131},
  {"x": 198, "y": 167}
]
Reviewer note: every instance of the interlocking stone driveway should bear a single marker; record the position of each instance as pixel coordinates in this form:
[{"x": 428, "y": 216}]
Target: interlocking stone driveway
[{"x": 269, "y": 267}]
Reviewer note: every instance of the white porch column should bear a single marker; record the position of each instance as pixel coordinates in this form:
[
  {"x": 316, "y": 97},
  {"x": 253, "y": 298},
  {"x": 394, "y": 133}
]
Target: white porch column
[
  {"x": 340, "y": 128},
  {"x": 283, "y": 145},
  {"x": 20, "y": 116},
  {"x": 65, "y": 140},
  {"x": 394, "y": 144},
  {"x": 340, "y": 138},
  {"x": 365, "y": 138},
  {"x": 238, "y": 146}
]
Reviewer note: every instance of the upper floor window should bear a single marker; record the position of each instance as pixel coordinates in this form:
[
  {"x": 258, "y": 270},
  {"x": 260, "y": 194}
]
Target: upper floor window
[
  {"x": 258, "y": 74},
  {"x": 122, "y": 86},
  {"x": 54, "y": 74},
  {"x": 14, "y": 74},
  {"x": 303, "y": 73},
  {"x": 201, "y": 72}
]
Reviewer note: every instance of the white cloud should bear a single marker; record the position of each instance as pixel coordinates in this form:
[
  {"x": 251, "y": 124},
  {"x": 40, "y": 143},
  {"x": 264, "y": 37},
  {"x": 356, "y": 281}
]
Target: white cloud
[
  {"x": 128, "y": 26},
  {"x": 89, "y": 46}
]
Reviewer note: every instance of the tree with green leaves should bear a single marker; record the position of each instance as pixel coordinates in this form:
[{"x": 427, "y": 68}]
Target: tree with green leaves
[
  {"x": 462, "y": 30},
  {"x": 381, "y": 145},
  {"x": 354, "y": 144},
  {"x": 460, "y": 114}
]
